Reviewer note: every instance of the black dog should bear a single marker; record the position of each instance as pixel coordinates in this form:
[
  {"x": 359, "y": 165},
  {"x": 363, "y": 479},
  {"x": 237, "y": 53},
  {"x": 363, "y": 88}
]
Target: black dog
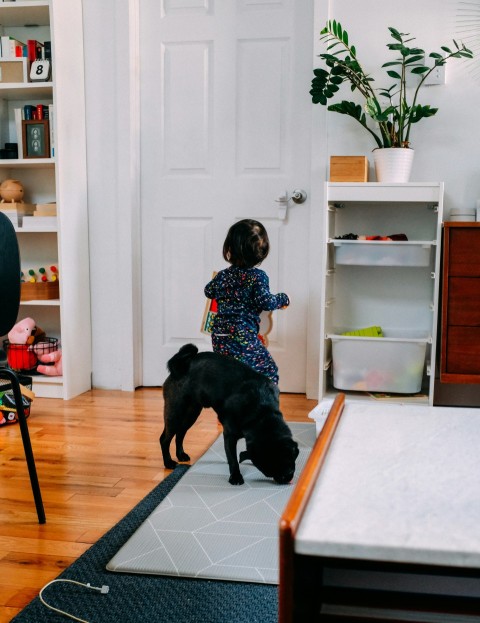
[{"x": 246, "y": 403}]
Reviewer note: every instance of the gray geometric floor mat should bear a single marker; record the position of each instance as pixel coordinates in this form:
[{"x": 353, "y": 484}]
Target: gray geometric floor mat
[{"x": 207, "y": 528}]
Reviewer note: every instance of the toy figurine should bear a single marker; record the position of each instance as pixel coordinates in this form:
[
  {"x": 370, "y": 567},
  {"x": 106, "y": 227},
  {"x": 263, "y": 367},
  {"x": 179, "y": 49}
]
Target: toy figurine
[{"x": 11, "y": 191}]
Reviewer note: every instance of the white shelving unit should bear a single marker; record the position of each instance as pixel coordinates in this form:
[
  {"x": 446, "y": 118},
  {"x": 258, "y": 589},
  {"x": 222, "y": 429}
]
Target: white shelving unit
[
  {"x": 390, "y": 284},
  {"x": 61, "y": 179}
]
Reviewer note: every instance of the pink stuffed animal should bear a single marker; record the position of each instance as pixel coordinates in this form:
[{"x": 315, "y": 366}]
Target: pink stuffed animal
[
  {"x": 21, "y": 337},
  {"x": 23, "y": 332},
  {"x": 51, "y": 370}
]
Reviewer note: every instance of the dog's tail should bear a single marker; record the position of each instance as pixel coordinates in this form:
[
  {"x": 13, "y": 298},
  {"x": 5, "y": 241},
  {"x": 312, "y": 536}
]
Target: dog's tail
[{"x": 179, "y": 364}]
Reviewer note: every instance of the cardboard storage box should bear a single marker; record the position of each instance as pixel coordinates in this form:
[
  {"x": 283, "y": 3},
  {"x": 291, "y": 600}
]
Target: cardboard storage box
[
  {"x": 348, "y": 169},
  {"x": 13, "y": 70}
]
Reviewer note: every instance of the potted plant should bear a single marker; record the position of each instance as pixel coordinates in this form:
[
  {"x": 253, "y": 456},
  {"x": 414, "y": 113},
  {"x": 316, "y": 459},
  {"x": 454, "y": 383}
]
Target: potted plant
[{"x": 392, "y": 110}]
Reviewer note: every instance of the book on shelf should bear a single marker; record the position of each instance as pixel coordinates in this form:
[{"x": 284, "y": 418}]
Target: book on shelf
[
  {"x": 11, "y": 47},
  {"x": 34, "y": 50},
  {"x": 45, "y": 209},
  {"x": 18, "y": 114},
  {"x": 51, "y": 123},
  {"x": 38, "y": 111},
  {"x": 47, "y": 50}
]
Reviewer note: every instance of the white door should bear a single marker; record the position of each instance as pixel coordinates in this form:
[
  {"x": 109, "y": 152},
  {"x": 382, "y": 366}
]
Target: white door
[{"x": 225, "y": 131}]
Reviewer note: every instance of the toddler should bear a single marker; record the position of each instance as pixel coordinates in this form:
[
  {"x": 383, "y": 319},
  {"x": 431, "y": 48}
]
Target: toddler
[{"x": 242, "y": 292}]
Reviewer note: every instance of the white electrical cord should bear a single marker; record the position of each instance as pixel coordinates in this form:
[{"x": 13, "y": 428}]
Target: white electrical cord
[{"x": 104, "y": 590}]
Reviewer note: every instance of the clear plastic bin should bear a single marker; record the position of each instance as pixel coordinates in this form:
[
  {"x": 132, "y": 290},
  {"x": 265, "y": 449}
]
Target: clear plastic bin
[
  {"x": 378, "y": 364},
  {"x": 382, "y": 252}
]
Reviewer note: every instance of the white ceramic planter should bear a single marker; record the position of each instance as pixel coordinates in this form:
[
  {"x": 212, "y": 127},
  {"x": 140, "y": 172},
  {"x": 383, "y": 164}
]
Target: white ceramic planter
[{"x": 393, "y": 164}]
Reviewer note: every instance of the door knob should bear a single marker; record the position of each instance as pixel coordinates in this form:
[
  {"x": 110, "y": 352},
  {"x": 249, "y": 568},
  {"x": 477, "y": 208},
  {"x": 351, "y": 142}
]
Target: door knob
[{"x": 298, "y": 196}]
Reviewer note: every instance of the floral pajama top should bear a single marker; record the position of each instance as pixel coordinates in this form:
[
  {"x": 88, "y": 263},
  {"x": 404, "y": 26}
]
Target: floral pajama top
[{"x": 241, "y": 295}]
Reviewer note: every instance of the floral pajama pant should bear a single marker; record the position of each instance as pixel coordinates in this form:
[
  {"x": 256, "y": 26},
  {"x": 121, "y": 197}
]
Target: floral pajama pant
[{"x": 245, "y": 346}]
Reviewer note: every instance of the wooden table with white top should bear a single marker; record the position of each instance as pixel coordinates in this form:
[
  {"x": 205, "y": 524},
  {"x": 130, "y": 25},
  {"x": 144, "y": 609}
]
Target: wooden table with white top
[{"x": 384, "y": 522}]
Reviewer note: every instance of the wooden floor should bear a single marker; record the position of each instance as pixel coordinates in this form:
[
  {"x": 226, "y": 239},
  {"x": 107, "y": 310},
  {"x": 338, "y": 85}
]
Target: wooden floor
[{"x": 97, "y": 456}]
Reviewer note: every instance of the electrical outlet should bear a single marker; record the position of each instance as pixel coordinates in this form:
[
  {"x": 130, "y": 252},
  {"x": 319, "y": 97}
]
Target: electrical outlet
[{"x": 436, "y": 77}]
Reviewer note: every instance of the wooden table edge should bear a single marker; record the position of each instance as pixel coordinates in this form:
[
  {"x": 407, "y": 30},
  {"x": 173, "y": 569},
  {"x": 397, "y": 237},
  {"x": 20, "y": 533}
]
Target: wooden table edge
[{"x": 296, "y": 505}]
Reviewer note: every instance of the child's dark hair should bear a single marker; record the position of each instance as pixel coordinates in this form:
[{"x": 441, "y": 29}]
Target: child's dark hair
[{"x": 246, "y": 244}]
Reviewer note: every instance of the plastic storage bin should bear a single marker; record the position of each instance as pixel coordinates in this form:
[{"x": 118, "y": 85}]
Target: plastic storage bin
[
  {"x": 382, "y": 253},
  {"x": 378, "y": 364}
]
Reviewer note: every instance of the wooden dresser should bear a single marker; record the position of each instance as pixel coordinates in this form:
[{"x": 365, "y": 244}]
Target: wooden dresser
[{"x": 460, "y": 348}]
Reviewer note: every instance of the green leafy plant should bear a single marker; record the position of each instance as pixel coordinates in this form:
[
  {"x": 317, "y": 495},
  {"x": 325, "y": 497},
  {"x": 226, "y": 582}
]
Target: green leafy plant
[{"x": 390, "y": 108}]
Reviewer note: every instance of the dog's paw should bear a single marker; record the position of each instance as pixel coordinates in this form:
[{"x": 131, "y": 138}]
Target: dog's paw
[
  {"x": 183, "y": 457},
  {"x": 236, "y": 479},
  {"x": 171, "y": 464}
]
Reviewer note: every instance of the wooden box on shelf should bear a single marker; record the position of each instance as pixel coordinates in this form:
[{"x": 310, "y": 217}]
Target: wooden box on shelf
[
  {"x": 13, "y": 70},
  {"x": 348, "y": 169},
  {"x": 39, "y": 291}
]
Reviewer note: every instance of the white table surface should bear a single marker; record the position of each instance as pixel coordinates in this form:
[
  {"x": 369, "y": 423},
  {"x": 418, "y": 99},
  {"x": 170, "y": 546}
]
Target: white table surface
[{"x": 400, "y": 483}]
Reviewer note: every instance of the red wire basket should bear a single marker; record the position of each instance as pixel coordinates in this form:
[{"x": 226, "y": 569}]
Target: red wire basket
[{"x": 24, "y": 357}]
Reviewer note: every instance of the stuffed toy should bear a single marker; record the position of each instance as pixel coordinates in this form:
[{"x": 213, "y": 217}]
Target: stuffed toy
[
  {"x": 21, "y": 337},
  {"x": 24, "y": 332},
  {"x": 55, "y": 367}
]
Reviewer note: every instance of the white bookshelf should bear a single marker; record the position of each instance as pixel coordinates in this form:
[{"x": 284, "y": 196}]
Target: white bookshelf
[{"x": 61, "y": 179}]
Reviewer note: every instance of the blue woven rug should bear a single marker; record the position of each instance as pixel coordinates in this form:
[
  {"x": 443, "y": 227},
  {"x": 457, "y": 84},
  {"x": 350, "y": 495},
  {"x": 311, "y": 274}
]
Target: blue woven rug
[{"x": 148, "y": 599}]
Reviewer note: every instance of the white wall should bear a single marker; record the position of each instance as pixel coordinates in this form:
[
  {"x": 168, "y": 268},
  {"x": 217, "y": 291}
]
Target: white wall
[{"x": 446, "y": 148}]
